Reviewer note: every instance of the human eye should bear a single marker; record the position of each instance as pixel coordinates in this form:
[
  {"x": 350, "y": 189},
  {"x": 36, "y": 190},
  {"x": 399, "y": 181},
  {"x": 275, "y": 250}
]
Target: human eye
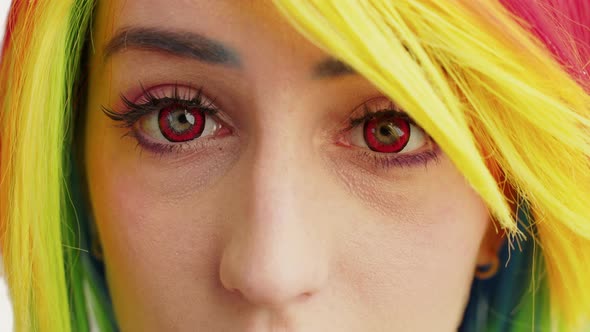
[
  {"x": 171, "y": 118},
  {"x": 384, "y": 135}
]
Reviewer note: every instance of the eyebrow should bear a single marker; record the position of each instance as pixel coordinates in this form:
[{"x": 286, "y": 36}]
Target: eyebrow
[
  {"x": 332, "y": 67},
  {"x": 183, "y": 44},
  {"x": 195, "y": 46}
]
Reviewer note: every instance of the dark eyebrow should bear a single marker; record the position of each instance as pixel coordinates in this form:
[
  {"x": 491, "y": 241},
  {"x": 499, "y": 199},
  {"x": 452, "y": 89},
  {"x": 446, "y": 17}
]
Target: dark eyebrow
[
  {"x": 195, "y": 46},
  {"x": 184, "y": 44},
  {"x": 332, "y": 67}
]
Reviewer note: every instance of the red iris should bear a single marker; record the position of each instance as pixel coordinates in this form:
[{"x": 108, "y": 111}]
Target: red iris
[
  {"x": 180, "y": 124},
  {"x": 388, "y": 134}
]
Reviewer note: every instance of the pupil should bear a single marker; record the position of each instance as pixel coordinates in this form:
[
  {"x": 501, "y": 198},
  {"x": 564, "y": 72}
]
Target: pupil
[
  {"x": 182, "y": 119},
  {"x": 385, "y": 130},
  {"x": 388, "y": 133}
]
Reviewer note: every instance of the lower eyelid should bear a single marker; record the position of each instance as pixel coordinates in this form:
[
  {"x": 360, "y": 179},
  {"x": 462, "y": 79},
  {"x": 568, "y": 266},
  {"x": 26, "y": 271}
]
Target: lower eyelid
[
  {"x": 368, "y": 159},
  {"x": 145, "y": 143},
  {"x": 410, "y": 160}
]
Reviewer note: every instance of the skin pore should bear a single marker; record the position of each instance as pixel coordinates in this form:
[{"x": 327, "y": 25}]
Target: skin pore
[{"x": 279, "y": 217}]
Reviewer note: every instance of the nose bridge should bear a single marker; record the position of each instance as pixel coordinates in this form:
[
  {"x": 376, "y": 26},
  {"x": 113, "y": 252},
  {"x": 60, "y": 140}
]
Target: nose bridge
[
  {"x": 275, "y": 255},
  {"x": 279, "y": 173},
  {"x": 282, "y": 163}
]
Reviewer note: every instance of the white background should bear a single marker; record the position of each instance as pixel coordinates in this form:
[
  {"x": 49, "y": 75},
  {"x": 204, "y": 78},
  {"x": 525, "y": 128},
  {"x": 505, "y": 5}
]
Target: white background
[{"x": 5, "y": 309}]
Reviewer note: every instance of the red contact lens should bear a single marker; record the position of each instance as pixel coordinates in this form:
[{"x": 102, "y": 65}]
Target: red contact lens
[
  {"x": 387, "y": 134},
  {"x": 179, "y": 124}
]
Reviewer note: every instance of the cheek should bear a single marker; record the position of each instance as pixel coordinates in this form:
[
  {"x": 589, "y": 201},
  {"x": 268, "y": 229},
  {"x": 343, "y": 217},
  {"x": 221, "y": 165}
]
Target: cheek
[
  {"x": 151, "y": 243},
  {"x": 155, "y": 218},
  {"x": 415, "y": 246}
]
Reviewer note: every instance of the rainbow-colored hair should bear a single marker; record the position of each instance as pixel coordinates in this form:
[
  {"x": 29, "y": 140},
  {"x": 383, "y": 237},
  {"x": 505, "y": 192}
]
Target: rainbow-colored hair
[{"x": 501, "y": 85}]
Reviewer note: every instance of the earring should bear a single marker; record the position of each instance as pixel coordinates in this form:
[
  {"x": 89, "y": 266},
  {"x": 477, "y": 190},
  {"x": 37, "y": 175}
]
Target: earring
[
  {"x": 95, "y": 246},
  {"x": 484, "y": 272}
]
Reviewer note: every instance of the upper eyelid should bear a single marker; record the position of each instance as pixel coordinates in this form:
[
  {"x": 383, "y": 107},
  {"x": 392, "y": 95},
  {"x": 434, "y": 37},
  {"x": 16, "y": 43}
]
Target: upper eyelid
[
  {"x": 367, "y": 114},
  {"x": 135, "y": 110},
  {"x": 167, "y": 101},
  {"x": 191, "y": 93},
  {"x": 355, "y": 121},
  {"x": 153, "y": 97}
]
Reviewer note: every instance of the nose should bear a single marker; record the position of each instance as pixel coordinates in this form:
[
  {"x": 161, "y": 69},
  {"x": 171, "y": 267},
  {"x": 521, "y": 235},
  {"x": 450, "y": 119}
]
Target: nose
[{"x": 275, "y": 253}]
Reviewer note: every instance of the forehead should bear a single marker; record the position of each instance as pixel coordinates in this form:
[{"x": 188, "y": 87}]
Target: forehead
[
  {"x": 239, "y": 23},
  {"x": 188, "y": 11}
]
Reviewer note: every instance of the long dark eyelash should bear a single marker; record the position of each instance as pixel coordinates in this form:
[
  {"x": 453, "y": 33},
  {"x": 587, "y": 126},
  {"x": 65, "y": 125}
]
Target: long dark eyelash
[
  {"x": 386, "y": 161},
  {"x": 368, "y": 114},
  {"x": 135, "y": 111}
]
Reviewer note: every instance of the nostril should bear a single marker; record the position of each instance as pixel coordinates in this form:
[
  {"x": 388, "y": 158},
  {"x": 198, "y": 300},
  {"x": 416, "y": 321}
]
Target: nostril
[
  {"x": 264, "y": 290},
  {"x": 306, "y": 295},
  {"x": 234, "y": 292}
]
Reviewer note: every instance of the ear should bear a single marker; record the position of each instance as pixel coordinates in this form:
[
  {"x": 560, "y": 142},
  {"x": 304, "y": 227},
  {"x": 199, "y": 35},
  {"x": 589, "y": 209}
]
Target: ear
[
  {"x": 494, "y": 237},
  {"x": 491, "y": 244}
]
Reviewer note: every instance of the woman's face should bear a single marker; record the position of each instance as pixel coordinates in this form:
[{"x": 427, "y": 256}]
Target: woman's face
[{"x": 246, "y": 184}]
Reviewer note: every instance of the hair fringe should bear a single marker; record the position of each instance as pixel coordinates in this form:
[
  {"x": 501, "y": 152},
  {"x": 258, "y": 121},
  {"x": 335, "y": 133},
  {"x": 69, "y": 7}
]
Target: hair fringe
[
  {"x": 489, "y": 92},
  {"x": 471, "y": 80}
]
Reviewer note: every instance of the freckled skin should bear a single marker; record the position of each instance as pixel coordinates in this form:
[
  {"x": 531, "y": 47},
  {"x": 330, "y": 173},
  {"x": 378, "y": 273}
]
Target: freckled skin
[{"x": 274, "y": 227}]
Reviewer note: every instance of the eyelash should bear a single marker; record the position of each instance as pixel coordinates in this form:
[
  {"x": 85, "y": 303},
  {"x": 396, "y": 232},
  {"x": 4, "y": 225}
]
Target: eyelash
[
  {"x": 368, "y": 114},
  {"x": 154, "y": 104},
  {"x": 136, "y": 111},
  {"x": 387, "y": 161}
]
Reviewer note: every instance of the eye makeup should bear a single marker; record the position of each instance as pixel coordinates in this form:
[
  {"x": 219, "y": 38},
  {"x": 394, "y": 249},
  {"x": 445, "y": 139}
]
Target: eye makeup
[
  {"x": 171, "y": 118},
  {"x": 157, "y": 98},
  {"x": 378, "y": 134},
  {"x": 383, "y": 136}
]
